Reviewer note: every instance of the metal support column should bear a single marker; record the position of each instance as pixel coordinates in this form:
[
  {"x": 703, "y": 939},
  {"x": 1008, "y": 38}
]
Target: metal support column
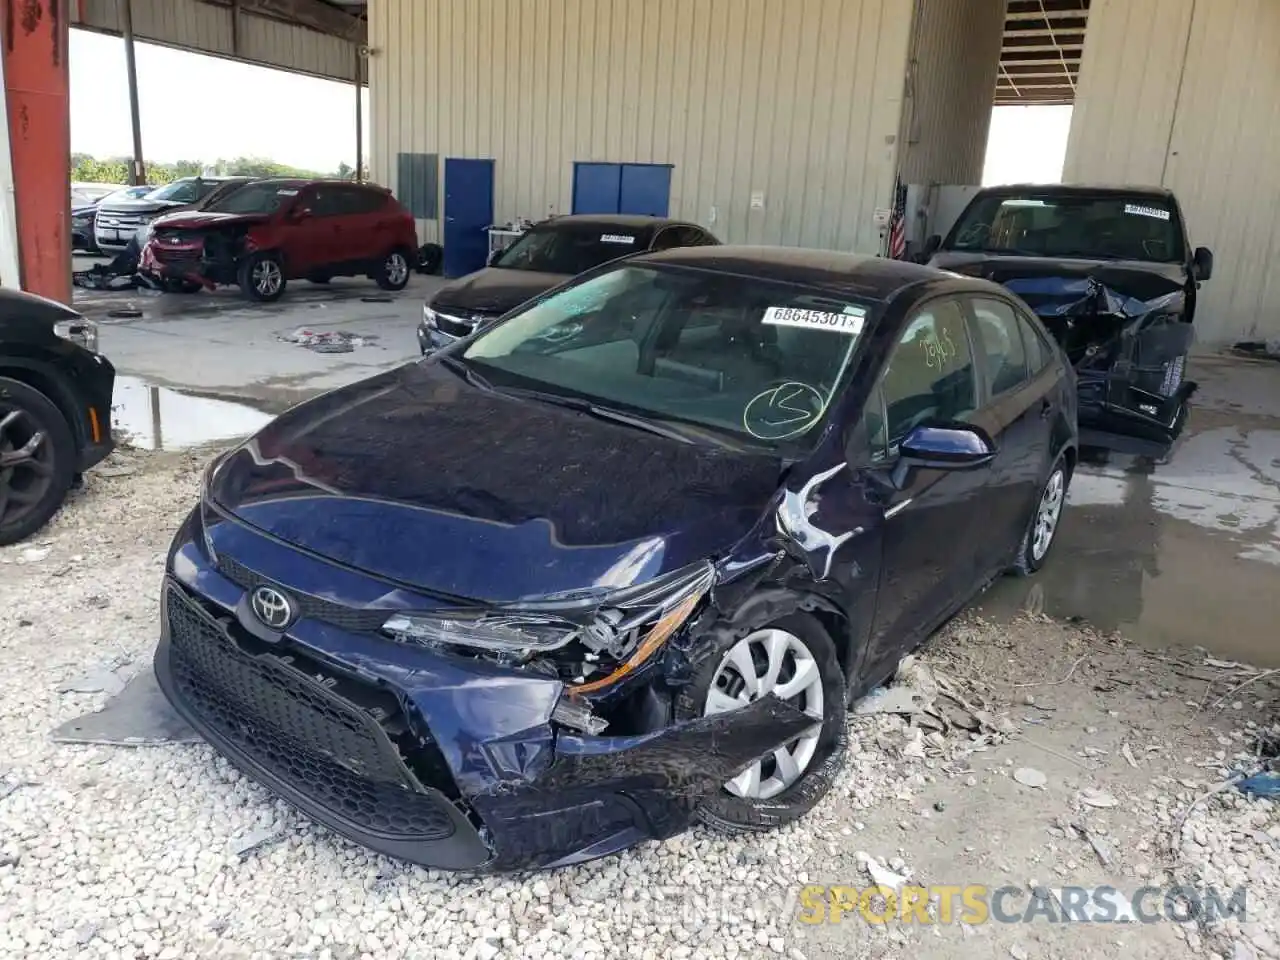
[
  {"x": 37, "y": 109},
  {"x": 359, "y": 114},
  {"x": 138, "y": 174}
]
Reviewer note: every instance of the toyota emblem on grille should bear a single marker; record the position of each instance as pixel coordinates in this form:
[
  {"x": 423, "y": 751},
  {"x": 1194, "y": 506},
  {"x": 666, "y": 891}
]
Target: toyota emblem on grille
[{"x": 271, "y": 607}]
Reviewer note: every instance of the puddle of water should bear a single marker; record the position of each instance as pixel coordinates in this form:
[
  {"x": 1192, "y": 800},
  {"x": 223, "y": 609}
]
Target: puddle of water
[
  {"x": 1184, "y": 556},
  {"x": 155, "y": 418}
]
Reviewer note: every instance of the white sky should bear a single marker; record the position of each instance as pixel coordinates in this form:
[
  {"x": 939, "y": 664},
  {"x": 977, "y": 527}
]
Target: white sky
[
  {"x": 204, "y": 108},
  {"x": 1026, "y": 145}
]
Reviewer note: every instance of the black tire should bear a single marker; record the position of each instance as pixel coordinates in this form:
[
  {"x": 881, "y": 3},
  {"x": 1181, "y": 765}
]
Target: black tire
[
  {"x": 728, "y": 812},
  {"x": 430, "y": 258},
  {"x": 253, "y": 273},
  {"x": 48, "y": 482},
  {"x": 392, "y": 272},
  {"x": 1029, "y": 559}
]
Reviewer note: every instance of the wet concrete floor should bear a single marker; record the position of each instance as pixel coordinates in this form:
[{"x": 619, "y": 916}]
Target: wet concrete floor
[
  {"x": 1183, "y": 553},
  {"x": 157, "y": 418}
]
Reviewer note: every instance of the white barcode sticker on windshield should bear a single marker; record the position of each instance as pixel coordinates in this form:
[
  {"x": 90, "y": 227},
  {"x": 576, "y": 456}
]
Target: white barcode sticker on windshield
[
  {"x": 849, "y": 322},
  {"x": 286, "y": 192},
  {"x": 1142, "y": 211},
  {"x": 617, "y": 238}
]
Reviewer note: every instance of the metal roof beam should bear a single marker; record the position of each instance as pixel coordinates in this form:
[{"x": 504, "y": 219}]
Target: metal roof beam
[{"x": 312, "y": 14}]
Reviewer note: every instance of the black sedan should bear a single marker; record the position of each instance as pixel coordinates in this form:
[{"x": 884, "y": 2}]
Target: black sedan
[
  {"x": 546, "y": 256},
  {"x": 622, "y": 559},
  {"x": 55, "y": 408}
]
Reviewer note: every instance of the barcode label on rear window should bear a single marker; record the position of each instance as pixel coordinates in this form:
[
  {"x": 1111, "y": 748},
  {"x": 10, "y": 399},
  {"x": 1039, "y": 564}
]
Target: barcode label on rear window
[
  {"x": 847, "y": 322},
  {"x": 1141, "y": 211},
  {"x": 617, "y": 238}
]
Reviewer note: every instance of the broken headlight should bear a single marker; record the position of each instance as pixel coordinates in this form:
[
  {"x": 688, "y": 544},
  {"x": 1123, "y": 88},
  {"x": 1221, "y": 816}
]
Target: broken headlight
[
  {"x": 590, "y": 639},
  {"x": 78, "y": 330}
]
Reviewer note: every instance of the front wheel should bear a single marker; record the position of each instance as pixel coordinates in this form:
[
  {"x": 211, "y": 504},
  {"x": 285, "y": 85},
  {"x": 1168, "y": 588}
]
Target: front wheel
[
  {"x": 37, "y": 454},
  {"x": 393, "y": 272},
  {"x": 261, "y": 277},
  {"x": 1042, "y": 528},
  {"x": 795, "y": 660}
]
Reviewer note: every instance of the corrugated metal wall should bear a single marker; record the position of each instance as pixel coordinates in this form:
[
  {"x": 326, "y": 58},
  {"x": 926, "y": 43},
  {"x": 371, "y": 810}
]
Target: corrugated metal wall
[
  {"x": 951, "y": 81},
  {"x": 205, "y": 28},
  {"x": 798, "y": 100},
  {"x": 1194, "y": 106}
]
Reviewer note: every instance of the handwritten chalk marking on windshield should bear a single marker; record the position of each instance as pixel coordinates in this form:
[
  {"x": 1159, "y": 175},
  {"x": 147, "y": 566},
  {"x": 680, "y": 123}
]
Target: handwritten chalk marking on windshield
[
  {"x": 850, "y": 323},
  {"x": 783, "y": 411}
]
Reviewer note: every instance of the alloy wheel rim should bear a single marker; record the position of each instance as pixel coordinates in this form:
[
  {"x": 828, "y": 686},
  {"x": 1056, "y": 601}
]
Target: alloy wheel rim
[
  {"x": 1047, "y": 515},
  {"x": 266, "y": 277},
  {"x": 397, "y": 268},
  {"x": 770, "y": 662},
  {"x": 26, "y": 464}
]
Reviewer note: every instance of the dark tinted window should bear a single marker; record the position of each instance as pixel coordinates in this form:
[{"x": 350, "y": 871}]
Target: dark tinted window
[
  {"x": 1046, "y": 224},
  {"x": 930, "y": 374},
  {"x": 568, "y": 248},
  {"x": 263, "y": 197},
  {"x": 357, "y": 200},
  {"x": 326, "y": 201},
  {"x": 668, "y": 238},
  {"x": 1039, "y": 351},
  {"x": 181, "y": 191},
  {"x": 1000, "y": 343}
]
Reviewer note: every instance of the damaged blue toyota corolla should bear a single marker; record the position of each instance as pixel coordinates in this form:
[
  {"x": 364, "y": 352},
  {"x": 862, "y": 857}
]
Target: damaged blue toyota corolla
[{"x": 620, "y": 560}]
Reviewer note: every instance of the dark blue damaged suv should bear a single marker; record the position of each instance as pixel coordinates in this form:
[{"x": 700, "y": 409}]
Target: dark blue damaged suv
[{"x": 620, "y": 560}]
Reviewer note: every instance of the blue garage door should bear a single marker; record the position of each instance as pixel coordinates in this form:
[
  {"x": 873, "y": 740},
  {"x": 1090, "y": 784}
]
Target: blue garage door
[{"x": 639, "y": 188}]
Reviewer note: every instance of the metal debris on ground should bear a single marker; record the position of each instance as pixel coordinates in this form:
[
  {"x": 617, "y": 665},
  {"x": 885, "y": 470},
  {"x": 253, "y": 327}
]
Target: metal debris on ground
[
  {"x": 326, "y": 341},
  {"x": 255, "y": 840},
  {"x": 137, "y": 716}
]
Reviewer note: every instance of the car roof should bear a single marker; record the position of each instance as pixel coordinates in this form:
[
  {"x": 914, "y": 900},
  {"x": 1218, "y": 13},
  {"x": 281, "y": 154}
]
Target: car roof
[
  {"x": 832, "y": 271},
  {"x": 634, "y": 223},
  {"x": 1079, "y": 189}
]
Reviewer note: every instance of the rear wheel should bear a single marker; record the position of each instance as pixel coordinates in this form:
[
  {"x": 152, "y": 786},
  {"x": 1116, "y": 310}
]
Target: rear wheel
[
  {"x": 795, "y": 660},
  {"x": 37, "y": 454},
  {"x": 261, "y": 277},
  {"x": 393, "y": 272},
  {"x": 1042, "y": 528}
]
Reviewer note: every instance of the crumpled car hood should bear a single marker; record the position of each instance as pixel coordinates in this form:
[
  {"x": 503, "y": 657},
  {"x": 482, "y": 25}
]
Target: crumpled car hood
[{"x": 418, "y": 476}]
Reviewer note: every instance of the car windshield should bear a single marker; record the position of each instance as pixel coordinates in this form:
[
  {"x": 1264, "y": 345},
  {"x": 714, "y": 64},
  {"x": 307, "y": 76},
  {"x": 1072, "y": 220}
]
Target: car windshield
[
  {"x": 568, "y": 249},
  {"x": 1105, "y": 226},
  {"x": 181, "y": 191},
  {"x": 758, "y": 361},
  {"x": 254, "y": 198}
]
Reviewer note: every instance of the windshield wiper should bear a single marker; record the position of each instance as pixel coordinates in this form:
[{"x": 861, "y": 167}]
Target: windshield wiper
[
  {"x": 603, "y": 413},
  {"x": 466, "y": 372}
]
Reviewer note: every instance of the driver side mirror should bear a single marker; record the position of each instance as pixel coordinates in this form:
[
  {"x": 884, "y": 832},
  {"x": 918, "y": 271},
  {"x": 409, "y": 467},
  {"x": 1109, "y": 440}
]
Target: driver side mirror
[
  {"x": 494, "y": 257},
  {"x": 950, "y": 446},
  {"x": 930, "y": 247},
  {"x": 1202, "y": 263},
  {"x": 298, "y": 214}
]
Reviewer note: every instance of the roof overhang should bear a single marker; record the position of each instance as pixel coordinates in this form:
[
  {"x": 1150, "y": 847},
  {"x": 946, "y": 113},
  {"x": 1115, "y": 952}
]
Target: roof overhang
[{"x": 1040, "y": 56}]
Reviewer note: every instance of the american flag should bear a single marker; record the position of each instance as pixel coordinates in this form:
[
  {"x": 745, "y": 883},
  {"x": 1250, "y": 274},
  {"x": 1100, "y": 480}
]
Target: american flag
[{"x": 897, "y": 247}]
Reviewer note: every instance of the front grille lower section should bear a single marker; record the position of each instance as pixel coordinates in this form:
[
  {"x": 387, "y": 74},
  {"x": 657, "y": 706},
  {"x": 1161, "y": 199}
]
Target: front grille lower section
[
  {"x": 297, "y": 729},
  {"x": 454, "y": 326},
  {"x": 312, "y": 608}
]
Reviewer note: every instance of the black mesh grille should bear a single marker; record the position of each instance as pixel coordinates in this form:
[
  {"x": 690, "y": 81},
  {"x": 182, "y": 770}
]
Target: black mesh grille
[
  {"x": 313, "y": 608},
  {"x": 297, "y": 729},
  {"x": 453, "y": 327}
]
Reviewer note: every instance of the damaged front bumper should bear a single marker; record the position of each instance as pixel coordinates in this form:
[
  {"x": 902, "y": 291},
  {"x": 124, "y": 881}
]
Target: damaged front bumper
[
  {"x": 445, "y": 761},
  {"x": 1129, "y": 357}
]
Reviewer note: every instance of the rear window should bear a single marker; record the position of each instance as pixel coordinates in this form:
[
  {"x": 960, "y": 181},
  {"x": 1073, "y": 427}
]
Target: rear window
[
  {"x": 254, "y": 198},
  {"x": 1103, "y": 226},
  {"x": 568, "y": 249}
]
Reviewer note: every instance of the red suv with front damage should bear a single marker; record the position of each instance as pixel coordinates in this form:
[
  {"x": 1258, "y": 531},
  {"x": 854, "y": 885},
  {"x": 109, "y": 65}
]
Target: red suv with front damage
[{"x": 271, "y": 231}]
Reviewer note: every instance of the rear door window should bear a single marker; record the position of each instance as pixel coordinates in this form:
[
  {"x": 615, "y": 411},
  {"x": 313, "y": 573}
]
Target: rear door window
[{"x": 999, "y": 339}]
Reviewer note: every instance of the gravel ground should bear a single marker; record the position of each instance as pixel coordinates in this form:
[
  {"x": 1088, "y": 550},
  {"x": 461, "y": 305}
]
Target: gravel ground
[{"x": 139, "y": 852}]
